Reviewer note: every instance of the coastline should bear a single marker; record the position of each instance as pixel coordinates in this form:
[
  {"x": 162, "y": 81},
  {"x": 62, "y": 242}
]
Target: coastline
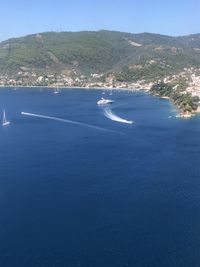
[
  {"x": 183, "y": 115},
  {"x": 76, "y": 87}
]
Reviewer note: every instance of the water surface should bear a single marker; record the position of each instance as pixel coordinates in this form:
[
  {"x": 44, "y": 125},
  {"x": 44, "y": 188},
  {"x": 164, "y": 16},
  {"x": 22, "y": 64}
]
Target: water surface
[{"x": 115, "y": 195}]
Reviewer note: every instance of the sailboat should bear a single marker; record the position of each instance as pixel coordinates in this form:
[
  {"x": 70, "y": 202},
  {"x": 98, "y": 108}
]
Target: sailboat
[
  {"x": 56, "y": 91},
  {"x": 4, "y": 121}
]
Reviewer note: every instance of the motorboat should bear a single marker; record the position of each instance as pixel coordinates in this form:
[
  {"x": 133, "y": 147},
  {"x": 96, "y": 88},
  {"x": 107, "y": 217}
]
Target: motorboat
[{"x": 104, "y": 101}]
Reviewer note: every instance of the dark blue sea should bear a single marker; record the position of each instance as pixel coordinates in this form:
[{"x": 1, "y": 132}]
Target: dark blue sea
[{"x": 92, "y": 192}]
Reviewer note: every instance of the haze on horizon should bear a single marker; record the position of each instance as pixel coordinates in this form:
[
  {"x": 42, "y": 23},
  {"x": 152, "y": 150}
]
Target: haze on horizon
[{"x": 180, "y": 17}]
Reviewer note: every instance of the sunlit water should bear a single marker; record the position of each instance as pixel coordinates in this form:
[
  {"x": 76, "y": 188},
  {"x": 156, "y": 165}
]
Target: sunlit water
[{"x": 83, "y": 190}]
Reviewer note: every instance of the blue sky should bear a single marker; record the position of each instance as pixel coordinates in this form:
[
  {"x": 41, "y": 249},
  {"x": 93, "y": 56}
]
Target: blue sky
[{"x": 22, "y": 17}]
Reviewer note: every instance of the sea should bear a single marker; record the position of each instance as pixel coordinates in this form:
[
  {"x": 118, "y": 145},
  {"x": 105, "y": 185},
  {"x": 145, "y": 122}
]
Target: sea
[{"x": 80, "y": 185}]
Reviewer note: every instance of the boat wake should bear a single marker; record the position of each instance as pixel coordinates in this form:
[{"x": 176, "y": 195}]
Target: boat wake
[
  {"x": 110, "y": 115},
  {"x": 66, "y": 121}
]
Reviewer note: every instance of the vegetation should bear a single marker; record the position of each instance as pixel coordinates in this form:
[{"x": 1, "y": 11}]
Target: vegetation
[
  {"x": 184, "y": 101},
  {"x": 130, "y": 56},
  {"x": 147, "y": 72}
]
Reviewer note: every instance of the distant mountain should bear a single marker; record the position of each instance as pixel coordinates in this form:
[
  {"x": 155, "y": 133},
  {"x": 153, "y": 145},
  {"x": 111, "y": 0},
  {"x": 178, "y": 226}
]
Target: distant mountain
[{"x": 130, "y": 56}]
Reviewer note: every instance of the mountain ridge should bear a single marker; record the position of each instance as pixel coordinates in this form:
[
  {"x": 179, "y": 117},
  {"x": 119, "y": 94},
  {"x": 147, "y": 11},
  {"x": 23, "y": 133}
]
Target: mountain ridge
[
  {"x": 95, "y": 51},
  {"x": 167, "y": 66}
]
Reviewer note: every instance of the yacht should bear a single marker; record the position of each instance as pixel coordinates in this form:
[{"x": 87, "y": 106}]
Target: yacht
[
  {"x": 4, "y": 121},
  {"x": 104, "y": 101}
]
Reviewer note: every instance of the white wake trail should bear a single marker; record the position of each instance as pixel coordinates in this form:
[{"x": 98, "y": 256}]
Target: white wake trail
[
  {"x": 110, "y": 115},
  {"x": 66, "y": 121}
]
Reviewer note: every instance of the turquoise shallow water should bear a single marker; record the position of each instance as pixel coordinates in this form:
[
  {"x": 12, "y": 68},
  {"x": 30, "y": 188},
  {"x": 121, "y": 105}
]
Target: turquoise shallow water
[{"x": 99, "y": 193}]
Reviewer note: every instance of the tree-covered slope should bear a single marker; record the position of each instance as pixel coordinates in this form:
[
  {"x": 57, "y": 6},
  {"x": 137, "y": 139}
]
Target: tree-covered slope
[{"x": 100, "y": 52}]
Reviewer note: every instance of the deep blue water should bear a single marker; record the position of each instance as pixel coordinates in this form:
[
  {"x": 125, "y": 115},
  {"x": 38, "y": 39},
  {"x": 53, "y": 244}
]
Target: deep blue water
[{"x": 72, "y": 195}]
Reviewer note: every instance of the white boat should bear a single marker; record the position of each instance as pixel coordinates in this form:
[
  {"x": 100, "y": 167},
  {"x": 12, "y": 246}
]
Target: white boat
[
  {"x": 56, "y": 91},
  {"x": 104, "y": 101},
  {"x": 4, "y": 121}
]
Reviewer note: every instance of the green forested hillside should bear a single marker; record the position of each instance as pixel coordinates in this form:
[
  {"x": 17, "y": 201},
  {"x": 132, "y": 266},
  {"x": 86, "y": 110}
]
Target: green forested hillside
[{"x": 128, "y": 55}]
